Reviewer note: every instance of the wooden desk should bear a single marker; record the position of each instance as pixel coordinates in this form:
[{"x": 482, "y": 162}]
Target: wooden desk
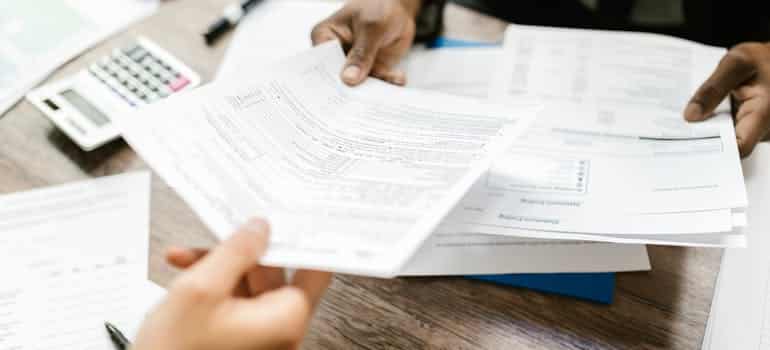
[{"x": 664, "y": 308}]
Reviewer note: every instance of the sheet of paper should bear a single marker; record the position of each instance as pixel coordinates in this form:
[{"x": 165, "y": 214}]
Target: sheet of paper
[
  {"x": 274, "y": 30},
  {"x": 740, "y": 311},
  {"x": 62, "y": 303},
  {"x": 74, "y": 256},
  {"x": 468, "y": 72},
  {"x": 351, "y": 179},
  {"x": 609, "y": 138},
  {"x": 37, "y": 36},
  {"x": 467, "y": 253},
  {"x": 464, "y": 71},
  {"x": 618, "y": 97}
]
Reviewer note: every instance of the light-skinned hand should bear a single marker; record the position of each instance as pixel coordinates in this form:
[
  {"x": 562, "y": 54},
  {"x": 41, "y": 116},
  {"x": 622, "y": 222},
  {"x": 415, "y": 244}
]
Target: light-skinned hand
[{"x": 224, "y": 300}]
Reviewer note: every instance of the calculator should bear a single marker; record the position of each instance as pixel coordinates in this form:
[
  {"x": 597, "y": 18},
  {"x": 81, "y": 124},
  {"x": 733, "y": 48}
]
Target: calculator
[{"x": 83, "y": 106}]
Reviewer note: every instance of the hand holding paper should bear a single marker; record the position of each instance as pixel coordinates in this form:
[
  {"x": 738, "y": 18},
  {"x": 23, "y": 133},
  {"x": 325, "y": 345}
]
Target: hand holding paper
[
  {"x": 248, "y": 307},
  {"x": 349, "y": 182}
]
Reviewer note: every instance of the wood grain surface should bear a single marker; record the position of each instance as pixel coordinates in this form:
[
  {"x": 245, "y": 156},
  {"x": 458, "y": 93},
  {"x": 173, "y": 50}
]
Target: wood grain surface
[{"x": 663, "y": 309}]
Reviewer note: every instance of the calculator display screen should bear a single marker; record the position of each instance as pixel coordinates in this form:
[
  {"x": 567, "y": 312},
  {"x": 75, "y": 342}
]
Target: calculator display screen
[{"x": 86, "y": 108}]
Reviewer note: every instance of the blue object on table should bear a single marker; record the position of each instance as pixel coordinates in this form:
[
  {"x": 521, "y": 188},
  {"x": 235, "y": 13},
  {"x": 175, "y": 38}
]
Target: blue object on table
[
  {"x": 598, "y": 287},
  {"x": 449, "y": 42}
]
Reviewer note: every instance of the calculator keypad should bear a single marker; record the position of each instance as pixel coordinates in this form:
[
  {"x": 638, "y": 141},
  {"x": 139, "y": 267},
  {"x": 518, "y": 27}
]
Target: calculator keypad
[{"x": 138, "y": 76}]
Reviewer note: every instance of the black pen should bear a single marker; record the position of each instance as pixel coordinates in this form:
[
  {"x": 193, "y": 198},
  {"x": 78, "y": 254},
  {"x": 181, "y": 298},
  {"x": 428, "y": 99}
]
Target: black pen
[
  {"x": 231, "y": 17},
  {"x": 120, "y": 340}
]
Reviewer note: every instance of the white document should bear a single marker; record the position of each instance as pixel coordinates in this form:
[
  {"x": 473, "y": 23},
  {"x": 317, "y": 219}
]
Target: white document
[
  {"x": 740, "y": 311},
  {"x": 37, "y": 36},
  {"x": 449, "y": 251},
  {"x": 464, "y": 71},
  {"x": 453, "y": 251},
  {"x": 609, "y": 156},
  {"x": 74, "y": 256},
  {"x": 461, "y": 71},
  {"x": 274, "y": 30},
  {"x": 618, "y": 97},
  {"x": 352, "y": 179}
]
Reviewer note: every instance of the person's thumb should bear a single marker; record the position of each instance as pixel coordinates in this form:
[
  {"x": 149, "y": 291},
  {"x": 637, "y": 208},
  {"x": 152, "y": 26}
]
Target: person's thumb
[{"x": 223, "y": 268}]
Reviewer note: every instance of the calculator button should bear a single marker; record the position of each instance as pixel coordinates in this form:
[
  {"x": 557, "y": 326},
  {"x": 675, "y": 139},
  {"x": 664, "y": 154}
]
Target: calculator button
[
  {"x": 164, "y": 92},
  {"x": 112, "y": 68},
  {"x": 133, "y": 87},
  {"x": 179, "y": 84},
  {"x": 145, "y": 78},
  {"x": 96, "y": 70},
  {"x": 152, "y": 97},
  {"x": 131, "y": 49},
  {"x": 138, "y": 55},
  {"x": 123, "y": 77},
  {"x": 147, "y": 61},
  {"x": 143, "y": 92},
  {"x": 166, "y": 77}
]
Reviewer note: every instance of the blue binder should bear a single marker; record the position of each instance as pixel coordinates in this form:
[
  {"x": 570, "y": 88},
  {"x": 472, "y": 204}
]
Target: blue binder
[{"x": 598, "y": 287}]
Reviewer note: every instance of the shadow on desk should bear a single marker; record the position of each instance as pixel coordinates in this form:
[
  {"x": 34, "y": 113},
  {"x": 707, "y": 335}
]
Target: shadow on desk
[{"x": 96, "y": 162}]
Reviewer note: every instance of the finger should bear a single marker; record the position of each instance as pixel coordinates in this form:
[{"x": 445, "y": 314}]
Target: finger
[
  {"x": 736, "y": 67},
  {"x": 265, "y": 278},
  {"x": 183, "y": 258},
  {"x": 362, "y": 54},
  {"x": 751, "y": 126},
  {"x": 283, "y": 313},
  {"x": 388, "y": 58},
  {"x": 324, "y": 32},
  {"x": 313, "y": 283},
  {"x": 225, "y": 266},
  {"x": 394, "y": 76}
]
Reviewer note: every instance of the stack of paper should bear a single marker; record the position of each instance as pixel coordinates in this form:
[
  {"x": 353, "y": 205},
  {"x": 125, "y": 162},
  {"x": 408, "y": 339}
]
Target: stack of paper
[
  {"x": 609, "y": 158},
  {"x": 355, "y": 179},
  {"x": 75, "y": 256},
  {"x": 461, "y": 72},
  {"x": 349, "y": 181}
]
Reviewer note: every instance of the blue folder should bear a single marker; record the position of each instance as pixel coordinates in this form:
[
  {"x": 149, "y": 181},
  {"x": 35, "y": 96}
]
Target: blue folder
[{"x": 598, "y": 287}]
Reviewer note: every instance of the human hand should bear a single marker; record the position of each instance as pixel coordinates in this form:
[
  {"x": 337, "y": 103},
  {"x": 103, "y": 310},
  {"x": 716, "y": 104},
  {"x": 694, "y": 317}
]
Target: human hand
[
  {"x": 378, "y": 34},
  {"x": 224, "y": 300},
  {"x": 744, "y": 74}
]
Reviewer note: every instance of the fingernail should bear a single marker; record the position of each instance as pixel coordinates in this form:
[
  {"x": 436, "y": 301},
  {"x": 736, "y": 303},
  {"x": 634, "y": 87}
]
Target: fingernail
[
  {"x": 351, "y": 74},
  {"x": 693, "y": 112},
  {"x": 399, "y": 78},
  {"x": 256, "y": 226}
]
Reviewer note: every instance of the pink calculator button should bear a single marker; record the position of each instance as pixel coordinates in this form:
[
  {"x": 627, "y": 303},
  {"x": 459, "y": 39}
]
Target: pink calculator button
[{"x": 178, "y": 84}]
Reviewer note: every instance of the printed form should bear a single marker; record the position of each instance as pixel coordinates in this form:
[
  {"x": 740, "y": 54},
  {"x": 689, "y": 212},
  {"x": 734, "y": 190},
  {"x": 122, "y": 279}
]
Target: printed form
[
  {"x": 609, "y": 157},
  {"x": 351, "y": 179},
  {"x": 435, "y": 70},
  {"x": 468, "y": 71},
  {"x": 75, "y": 256}
]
